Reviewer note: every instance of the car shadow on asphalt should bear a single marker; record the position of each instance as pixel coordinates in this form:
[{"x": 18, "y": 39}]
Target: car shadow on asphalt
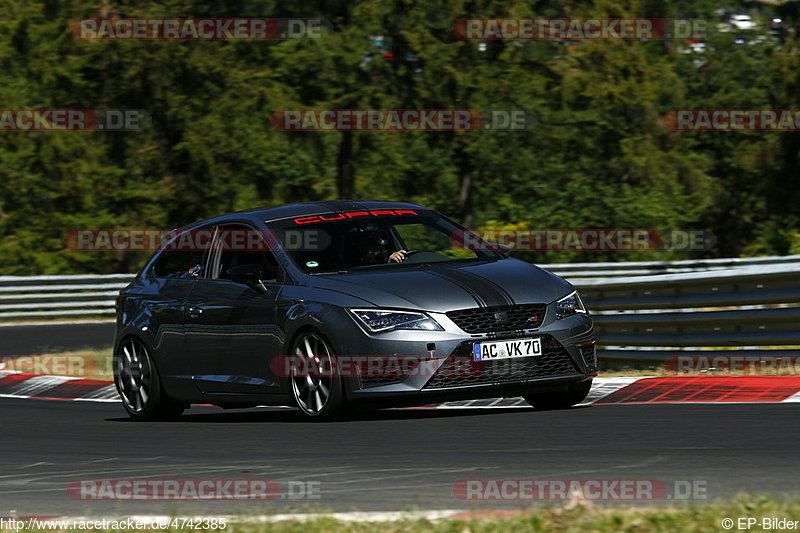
[{"x": 286, "y": 415}]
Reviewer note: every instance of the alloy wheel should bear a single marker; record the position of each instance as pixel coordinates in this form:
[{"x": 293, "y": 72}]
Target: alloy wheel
[
  {"x": 134, "y": 375},
  {"x": 312, "y": 378}
]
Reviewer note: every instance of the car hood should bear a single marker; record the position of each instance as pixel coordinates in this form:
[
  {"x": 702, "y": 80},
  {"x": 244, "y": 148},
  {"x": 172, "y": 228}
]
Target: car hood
[{"x": 443, "y": 287}]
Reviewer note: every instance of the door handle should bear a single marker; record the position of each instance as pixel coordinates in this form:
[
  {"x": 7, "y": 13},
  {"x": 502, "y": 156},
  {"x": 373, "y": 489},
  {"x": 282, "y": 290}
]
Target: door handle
[{"x": 194, "y": 312}]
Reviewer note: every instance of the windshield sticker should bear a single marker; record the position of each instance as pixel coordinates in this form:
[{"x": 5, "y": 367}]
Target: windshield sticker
[{"x": 353, "y": 214}]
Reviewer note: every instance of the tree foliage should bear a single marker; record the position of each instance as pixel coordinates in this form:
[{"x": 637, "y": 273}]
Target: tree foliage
[{"x": 596, "y": 155}]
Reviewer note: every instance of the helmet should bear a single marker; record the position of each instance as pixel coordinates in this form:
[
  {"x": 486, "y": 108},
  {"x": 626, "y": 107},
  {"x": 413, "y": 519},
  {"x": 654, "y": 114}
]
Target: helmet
[{"x": 368, "y": 246}]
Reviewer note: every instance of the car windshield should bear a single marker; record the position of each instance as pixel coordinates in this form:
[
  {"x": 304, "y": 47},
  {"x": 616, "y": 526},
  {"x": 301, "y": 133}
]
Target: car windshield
[{"x": 372, "y": 239}]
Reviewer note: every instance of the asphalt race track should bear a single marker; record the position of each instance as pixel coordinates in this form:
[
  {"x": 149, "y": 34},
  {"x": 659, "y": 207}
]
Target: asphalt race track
[
  {"x": 390, "y": 460},
  {"x": 51, "y": 338}
]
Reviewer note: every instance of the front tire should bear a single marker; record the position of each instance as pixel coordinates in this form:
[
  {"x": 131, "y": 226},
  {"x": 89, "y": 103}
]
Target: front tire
[
  {"x": 316, "y": 388},
  {"x": 139, "y": 385},
  {"x": 559, "y": 400}
]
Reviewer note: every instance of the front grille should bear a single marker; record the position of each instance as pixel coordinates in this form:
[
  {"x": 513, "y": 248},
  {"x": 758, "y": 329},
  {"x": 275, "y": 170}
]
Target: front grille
[
  {"x": 460, "y": 370},
  {"x": 498, "y": 318}
]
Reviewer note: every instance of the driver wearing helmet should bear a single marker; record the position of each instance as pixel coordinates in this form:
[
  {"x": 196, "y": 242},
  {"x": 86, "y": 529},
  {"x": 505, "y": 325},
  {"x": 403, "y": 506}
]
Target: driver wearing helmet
[{"x": 372, "y": 247}]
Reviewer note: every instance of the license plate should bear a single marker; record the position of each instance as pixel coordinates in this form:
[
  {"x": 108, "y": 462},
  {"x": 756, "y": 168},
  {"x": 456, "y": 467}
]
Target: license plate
[{"x": 489, "y": 351}]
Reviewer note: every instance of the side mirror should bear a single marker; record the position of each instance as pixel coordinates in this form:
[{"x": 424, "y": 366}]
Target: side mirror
[{"x": 249, "y": 274}]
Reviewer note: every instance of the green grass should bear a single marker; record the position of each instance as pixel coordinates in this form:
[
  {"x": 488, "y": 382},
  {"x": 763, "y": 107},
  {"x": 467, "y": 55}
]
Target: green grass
[
  {"x": 88, "y": 364},
  {"x": 689, "y": 519}
]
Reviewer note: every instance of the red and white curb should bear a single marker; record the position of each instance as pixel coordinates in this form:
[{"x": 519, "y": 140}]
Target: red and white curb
[
  {"x": 15, "y": 384},
  {"x": 621, "y": 390},
  {"x": 671, "y": 389}
]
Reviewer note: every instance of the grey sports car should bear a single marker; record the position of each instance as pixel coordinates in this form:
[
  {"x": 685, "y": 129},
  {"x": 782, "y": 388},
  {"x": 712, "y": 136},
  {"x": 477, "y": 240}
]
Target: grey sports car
[{"x": 328, "y": 306}]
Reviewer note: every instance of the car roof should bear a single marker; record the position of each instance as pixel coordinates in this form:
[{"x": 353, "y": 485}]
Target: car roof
[{"x": 270, "y": 214}]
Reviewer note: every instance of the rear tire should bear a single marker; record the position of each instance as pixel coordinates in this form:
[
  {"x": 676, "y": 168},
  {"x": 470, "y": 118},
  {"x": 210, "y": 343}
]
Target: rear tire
[
  {"x": 559, "y": 400},
  {"x": 139, "y": 385}
]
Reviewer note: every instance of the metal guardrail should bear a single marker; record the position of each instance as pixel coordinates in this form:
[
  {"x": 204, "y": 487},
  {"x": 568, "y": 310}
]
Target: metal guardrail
[
  {"x": 647, "y": 268},
  {"x": 692, "y": 313},
  {"x": 640, "y": 309},
  {"x": 34, "y": 297}
]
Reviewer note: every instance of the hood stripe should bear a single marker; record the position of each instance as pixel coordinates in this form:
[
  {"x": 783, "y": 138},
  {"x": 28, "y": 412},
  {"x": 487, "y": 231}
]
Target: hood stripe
[
  {"x": 486, "y": 293},
  {"x": 466, "y": 288},
  {"x": 501, "y": 292}
]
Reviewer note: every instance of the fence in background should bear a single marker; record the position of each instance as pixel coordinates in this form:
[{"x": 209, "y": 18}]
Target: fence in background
[
  {"x": 647, "y": 268},
  {"x": 697, "y": 313},
  {"x": 36, "y": 297},
  {"x": 640, "y": 308}
]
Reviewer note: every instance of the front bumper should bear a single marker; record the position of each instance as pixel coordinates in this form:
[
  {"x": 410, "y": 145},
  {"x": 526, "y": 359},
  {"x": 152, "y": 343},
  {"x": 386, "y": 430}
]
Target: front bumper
[{"x": 445, "y": 370}]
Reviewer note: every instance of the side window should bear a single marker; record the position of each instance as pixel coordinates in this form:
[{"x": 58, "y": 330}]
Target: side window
[
  {"x": 184, "y": 257},
  {"x": 179, "y": 264},
  {"x": 227, "y": 257}
]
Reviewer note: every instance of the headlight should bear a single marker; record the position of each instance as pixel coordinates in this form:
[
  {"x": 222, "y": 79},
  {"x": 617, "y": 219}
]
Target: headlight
[
  {"x": 379, "y": 321},
  {"x": 569, "y": 305}
]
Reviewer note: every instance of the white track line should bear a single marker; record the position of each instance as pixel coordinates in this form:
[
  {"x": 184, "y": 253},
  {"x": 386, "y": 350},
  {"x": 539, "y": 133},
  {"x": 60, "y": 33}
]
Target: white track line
[
  {"x": 795, "y": 398},
  {"x": 367, "y": 516}
]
